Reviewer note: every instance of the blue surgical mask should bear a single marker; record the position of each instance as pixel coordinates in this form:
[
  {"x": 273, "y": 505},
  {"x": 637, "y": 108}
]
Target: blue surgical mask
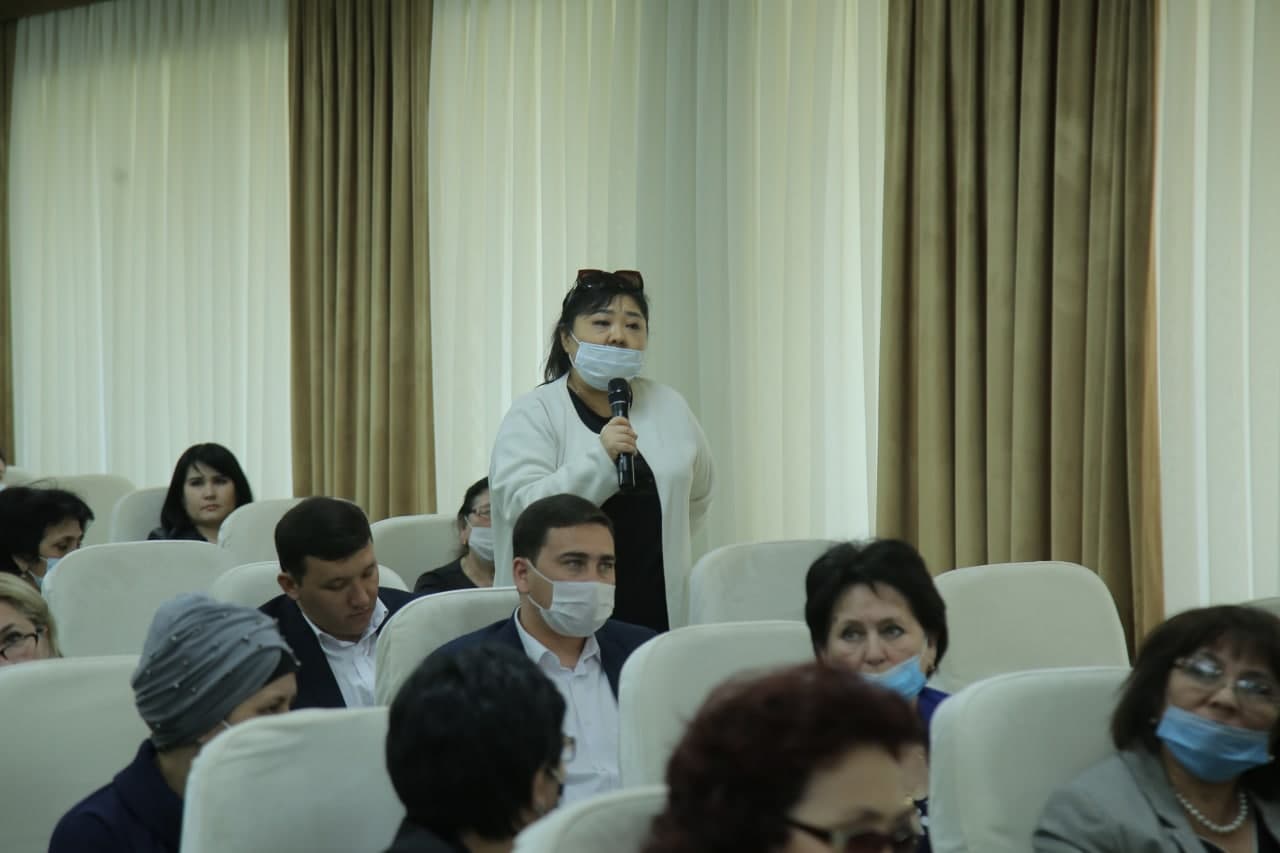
[
  {"x": 906, "y": 679},
  {"x": 597, "y": 364},
  {"x": 1212, "y": 751}
]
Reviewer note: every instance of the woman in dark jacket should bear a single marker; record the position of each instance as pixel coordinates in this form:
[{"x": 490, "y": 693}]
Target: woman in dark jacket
[{"x": 207, "y": 486}]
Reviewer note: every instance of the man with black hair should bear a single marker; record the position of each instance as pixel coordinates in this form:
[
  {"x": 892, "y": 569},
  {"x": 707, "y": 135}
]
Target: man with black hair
[
  {"x": 475, "y": 751},
  {"x": 564, "y": 570},
  {"x": 332, "y": 608}
]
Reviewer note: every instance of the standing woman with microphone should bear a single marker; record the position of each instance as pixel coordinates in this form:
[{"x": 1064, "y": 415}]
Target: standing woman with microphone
[{"x": 564, "y": 436}]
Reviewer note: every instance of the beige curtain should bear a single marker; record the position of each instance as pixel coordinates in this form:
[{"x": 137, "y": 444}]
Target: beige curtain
[
  {"x": 362, "y": 417},
  {"x": 1017, "y": 334},
  {"x": 8, "y": 51}
]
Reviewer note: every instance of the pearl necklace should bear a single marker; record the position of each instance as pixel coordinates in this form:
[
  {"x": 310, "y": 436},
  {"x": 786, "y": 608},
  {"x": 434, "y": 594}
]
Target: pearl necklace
[{"x": 1218, "y": 828}]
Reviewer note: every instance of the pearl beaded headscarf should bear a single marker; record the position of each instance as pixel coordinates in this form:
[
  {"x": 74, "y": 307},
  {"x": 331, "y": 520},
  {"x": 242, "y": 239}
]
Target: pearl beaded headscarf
[{"x": 201, "y": 659}]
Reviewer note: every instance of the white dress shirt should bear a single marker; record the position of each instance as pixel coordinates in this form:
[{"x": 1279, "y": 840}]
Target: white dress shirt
[
  {"x": 352, "y": 663},
  {"x": 590, "y": 716}
]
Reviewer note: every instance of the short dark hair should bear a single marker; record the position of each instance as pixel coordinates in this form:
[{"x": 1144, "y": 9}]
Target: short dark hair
[
  {"x": 26, "y": 512},
  {"x": 750, "y": 752},
  {"x": 891, "y": 562},
  {"x": 1247, "y": 630},
  {"x": 605, "y": 287},
  {"x": 468, "y": 504},
  {"x": 324, "y": 528},
  {"x": 550, "y": 513},
  {"x": 173, "y": 514},
  {"x": 467, "y": 734}
]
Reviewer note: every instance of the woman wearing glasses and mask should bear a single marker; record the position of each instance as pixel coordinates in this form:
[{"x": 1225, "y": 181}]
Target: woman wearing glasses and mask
[
  {"x": 474, "y": 565},
  {"x": 1195, "y": 728},
  {"x": 563, "y": 437}
]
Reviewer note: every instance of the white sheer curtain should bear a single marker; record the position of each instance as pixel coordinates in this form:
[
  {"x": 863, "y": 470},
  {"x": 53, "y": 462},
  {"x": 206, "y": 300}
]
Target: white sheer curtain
[
  {"x": 150, "y": 229},
  {"x": 732, "y": 150},
  {"x": 1218, "y": 216}
]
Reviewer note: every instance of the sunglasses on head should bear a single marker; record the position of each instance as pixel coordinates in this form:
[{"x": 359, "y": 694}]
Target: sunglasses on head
[
  {"x": 902, "y": 841},
  {"x": 592, "y": 279}
]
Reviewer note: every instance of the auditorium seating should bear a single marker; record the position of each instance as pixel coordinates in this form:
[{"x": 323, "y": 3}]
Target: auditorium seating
[
  {"x": 1015, "y": 616},
  {"x": 617, "y": 822},
  {"x": 752, "y": 581},
  {"x": 136, "y": 514},
  {"x": 665, "y": 681},
  {"x": 425, "y": 624},
  {"x": 1001, "y": 746},
  {"x": 254, "y": 584},
  {"x": 313, "y": 780},
  {"x": 413, "y": 544},
  {"x": 249, "y": 532},
  {"x": 15, "y": 476},
  {"x": 69, "y": 726},
  {"x": 103, "y": 597},
  {"x": 100, "y": 492},
  {"x": 1271, "y": 605}
]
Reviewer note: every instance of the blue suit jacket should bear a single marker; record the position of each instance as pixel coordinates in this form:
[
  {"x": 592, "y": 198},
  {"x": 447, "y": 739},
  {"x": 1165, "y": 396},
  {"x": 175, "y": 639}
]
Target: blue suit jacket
[
  {"x": 317, "y": 688},
  {"x": 617, "y": 640},
  {"x": 137, "y": 813}
]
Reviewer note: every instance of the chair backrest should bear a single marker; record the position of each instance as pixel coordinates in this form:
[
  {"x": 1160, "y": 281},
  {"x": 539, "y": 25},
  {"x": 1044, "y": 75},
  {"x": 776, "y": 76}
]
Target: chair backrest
[
  {"x": 103, "y": 597},
  {"x": 136, "y": 514},
  {"x": 70, "y": 726},
  {"x": 15, "y": 476},
  {"x": 1271, "y": 605},
  {"x": 249, "y": 532},
  {"x": 665, "y": 681},
  {"x": 753, "y": 581},
  {"x": 1061, "y": 613},
  {"x": 425, "y": 624},
  {"x": 254, "y": 584},
  {"x": 100, "y": 492},
  {"x": 618, "y": 822},
  {"x": 413, "y": 544},
  {"x": 313, "y": 780},
  {"x": 992, "y": 768}
]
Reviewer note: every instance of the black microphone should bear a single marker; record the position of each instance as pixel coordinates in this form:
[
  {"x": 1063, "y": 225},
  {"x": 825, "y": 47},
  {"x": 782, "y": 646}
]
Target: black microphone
[{"x": 620, "y": 404}]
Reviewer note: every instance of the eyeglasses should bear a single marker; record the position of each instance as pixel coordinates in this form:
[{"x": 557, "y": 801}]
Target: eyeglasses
[
  {"x": 626, "y": 279},
  {"x": 19, "y": 644},
  {"x": 1255, "y": 690},
  {"x": 569, "y": 751},
  {"x": 481, "y": 511},
  {"x": 901, "y": 841}
]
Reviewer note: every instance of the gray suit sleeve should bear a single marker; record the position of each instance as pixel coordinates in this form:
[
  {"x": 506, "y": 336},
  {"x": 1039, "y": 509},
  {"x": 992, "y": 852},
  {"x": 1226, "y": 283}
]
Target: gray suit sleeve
[{"x": 1073, "y": 821}]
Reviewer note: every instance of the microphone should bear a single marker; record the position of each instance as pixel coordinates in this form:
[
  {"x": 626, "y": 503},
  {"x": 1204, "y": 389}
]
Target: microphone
[{"x": 620, "y": 404}]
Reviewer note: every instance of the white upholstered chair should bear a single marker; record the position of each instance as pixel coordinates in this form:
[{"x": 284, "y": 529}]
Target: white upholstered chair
[
  {"x": 1015, "y": 616},
  {"x": 425, "y": 624},
  {"x": 665, "y": 681},
  {"x": 617, "y": 822},
  {"x": 69, "y": 726},
  {"x": 1001, "y": 746},
  {"x": 752, "y": 581},
  {"x": 254, "y": 584},
  {"x": 249, "y": 532},
  {"x": 313, "y": 780},
  {"x": 413, "y": 544},
  {"x": 103, "y": 597},
  {"x": 136, "y": 514}
]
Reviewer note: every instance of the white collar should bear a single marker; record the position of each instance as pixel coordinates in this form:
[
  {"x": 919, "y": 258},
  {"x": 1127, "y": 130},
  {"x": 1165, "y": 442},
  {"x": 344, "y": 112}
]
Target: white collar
[
  {"x": 536, "y": 651},
  {"x": 325, "y": 638}
]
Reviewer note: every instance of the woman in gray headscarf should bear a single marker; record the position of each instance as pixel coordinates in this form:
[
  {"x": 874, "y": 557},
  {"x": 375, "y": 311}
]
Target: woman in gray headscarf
[{"x": 205, "y": 666}]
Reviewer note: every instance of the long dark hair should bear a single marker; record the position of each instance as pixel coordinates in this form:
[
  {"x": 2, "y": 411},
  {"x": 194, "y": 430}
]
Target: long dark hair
[
  {"x": 173, "y": 515},
  {"x": 588, "y": 296}
]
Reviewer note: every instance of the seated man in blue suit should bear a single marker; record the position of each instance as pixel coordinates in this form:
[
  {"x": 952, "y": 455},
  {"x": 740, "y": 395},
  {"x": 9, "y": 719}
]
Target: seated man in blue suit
[
  {"x": 563, "y": 565},
  {"x": 332, "y": 608}
]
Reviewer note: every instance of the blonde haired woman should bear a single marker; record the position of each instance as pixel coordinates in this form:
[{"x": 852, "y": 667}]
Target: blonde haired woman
[{"x": 27, "y": 631}]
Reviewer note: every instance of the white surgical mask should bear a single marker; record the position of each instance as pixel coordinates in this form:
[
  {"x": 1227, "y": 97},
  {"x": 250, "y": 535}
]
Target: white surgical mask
[
  {"x": 481, "y": 543},
  {"x": 597, "y": 364},
  {"x": 578, "y": 608}
]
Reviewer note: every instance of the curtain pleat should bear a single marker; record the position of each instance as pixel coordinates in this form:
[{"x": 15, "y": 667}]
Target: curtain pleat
[
  {"x": 362, "y": 416},
  {"x": 1017, "y": 393},
  {"x": 8, "y": 52}
]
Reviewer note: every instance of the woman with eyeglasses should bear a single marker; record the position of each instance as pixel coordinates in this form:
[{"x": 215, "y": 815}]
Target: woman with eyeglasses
[
  {"x": 802, "y": 760},
  {"x": 1196, "y": 728},
  {"x": 564, "y": 437},
  {"x": 27, "y": 631},
  {"x": 474, "y": 565}
]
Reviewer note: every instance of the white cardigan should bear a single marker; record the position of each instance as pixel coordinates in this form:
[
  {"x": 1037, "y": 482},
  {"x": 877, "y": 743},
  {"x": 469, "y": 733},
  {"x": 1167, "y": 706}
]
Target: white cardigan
[{"x": 543, "y": 448}]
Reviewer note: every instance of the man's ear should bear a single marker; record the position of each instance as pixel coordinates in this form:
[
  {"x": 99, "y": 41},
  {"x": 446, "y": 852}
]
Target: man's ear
[
  {"x": 520, "y": 574},
  {"x": 288, "y": 585}
]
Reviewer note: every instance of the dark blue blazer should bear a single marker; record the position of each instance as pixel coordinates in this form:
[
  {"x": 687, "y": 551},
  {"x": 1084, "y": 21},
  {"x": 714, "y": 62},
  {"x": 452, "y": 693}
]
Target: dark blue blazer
[
  {"x": 317, "y": 688},
  {"x": 617, "y": 640},
  {"x": 137, "y": 813}
]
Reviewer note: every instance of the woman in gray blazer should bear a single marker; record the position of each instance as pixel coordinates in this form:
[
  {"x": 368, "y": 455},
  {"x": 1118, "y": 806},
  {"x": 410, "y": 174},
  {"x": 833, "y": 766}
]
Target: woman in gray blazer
[{"x": 1195, "y": 729}]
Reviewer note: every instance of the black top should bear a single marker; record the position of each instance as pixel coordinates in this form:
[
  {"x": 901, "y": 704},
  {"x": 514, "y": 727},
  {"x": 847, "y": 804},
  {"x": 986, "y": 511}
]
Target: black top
[
  {"x": 416, "y": 838},
  {"x": 185, "y": 533},
  {"x": 1266, "y": 841},
  {"x": 641, "y": 597},
  {"x": 443, "y": 579}
]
